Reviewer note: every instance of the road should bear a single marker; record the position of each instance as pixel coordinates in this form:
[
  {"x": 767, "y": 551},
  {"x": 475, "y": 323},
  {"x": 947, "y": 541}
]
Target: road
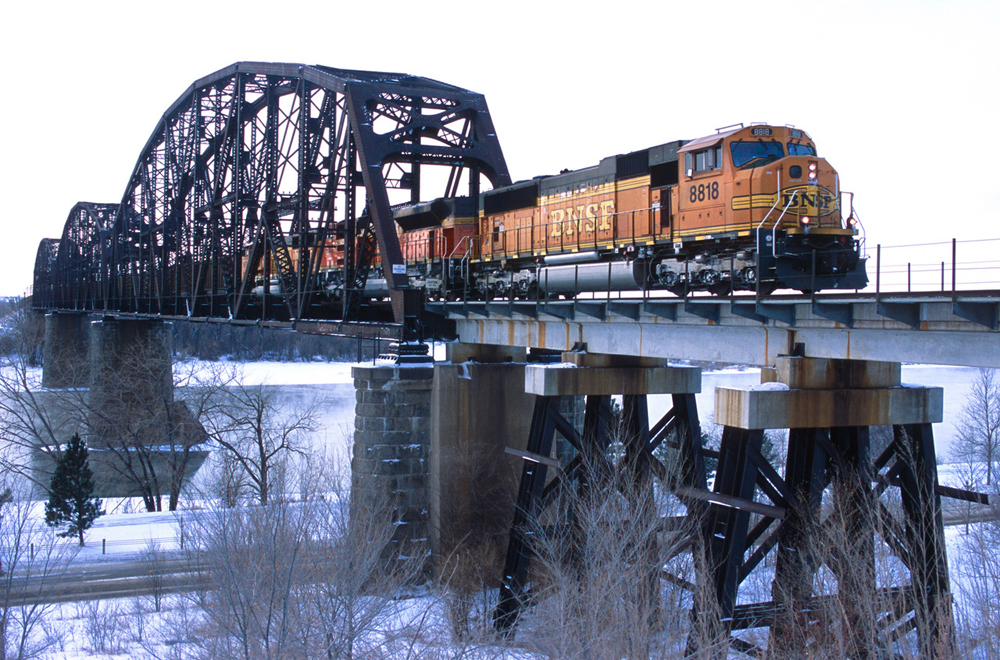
[
  {"x": 173, "y": 573},
  {"x": 177, "y": 572}
]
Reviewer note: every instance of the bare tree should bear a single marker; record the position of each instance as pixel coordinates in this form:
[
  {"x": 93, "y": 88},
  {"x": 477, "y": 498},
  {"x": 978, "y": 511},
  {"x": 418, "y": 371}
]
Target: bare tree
[
  {"x": 978, "y": 438},
  {"x": 598, "y": 587},
  {"x": 33, "y": 422},
  {"x": 142, "y": 421},
  {"x": 304, "y": 579},
  {"x": 260, "y": 433},
  {"x": 979, "y": 588},
  {"x": 254, "y": 557},
  {"x": 33, "y": 564},
  {"x": 354, "y": 588}
]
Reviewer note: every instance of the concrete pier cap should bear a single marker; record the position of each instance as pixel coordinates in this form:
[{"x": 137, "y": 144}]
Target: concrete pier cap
[
  {"x": 802, "y": 392},
  {"x": 581, "y": 374}
]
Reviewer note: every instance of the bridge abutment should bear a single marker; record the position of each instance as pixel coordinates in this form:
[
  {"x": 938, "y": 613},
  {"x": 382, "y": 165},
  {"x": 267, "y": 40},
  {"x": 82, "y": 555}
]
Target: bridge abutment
[{"x": 431, "y": 442}]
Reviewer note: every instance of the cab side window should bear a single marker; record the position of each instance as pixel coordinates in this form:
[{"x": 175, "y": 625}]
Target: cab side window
[{"x": 703, "y": 160}]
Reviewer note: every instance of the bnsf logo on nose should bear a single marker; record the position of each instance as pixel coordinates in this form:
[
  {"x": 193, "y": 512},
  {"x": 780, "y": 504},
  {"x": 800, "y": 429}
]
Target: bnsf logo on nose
[{"x": 813, "y": 200}]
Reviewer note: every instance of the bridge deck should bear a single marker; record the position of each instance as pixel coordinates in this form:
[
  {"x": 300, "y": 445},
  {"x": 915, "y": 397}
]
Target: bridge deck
[{"x": 930, "y": 329}]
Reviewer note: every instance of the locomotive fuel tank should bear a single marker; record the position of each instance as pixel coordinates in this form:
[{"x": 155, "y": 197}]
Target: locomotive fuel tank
[{"x": 604, "y": 276}]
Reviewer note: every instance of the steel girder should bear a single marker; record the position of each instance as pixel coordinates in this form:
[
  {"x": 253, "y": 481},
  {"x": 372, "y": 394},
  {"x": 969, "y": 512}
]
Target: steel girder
[
  {"x": 70, "y": 269},
  {"x": 43, "y": 284},
  {"x": 251, "y": 180}
]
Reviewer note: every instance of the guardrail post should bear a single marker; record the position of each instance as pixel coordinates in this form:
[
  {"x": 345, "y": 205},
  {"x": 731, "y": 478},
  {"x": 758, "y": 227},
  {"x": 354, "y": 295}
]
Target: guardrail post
[
  {"x": 878, "y": 269},
  {"x": 953, "y": 250},
  {"x": 104, "y": 546}
]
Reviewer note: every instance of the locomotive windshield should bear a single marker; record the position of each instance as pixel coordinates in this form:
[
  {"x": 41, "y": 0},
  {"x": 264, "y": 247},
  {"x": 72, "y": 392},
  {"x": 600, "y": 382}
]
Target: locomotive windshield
[
  {"x": 801, "y": 149},
  {"x": 755, "y": 154}
]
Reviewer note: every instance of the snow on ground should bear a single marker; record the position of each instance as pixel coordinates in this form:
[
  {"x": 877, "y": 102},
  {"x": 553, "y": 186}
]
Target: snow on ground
[
  {"x": 128, "y": 628},
  {"x": 287, "y": 373}
]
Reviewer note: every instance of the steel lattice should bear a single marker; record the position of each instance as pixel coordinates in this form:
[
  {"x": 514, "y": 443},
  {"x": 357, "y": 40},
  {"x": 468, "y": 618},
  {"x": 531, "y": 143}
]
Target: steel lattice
[{"x": 245, "y": 201}]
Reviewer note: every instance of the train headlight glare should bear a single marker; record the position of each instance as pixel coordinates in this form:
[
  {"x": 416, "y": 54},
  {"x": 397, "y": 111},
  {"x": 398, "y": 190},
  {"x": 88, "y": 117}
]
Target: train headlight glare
[
  {"x": 812, "y": 167},
  {"x": 805, "y": 220}
]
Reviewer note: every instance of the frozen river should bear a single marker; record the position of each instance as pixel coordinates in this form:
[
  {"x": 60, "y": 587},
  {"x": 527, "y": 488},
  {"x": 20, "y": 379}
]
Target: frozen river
[{"x": 332, "y": 386}]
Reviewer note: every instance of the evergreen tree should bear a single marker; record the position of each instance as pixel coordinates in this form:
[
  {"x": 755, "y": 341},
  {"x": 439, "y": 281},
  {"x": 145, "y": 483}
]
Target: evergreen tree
[{"x": 69, "y": 493}]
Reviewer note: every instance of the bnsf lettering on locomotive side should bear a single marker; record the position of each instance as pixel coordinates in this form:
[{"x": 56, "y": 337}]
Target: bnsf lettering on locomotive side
[
  {"x": 582, "y": 218},
  {"x": 572, "y": 224},
  {"x": 555, "y": 219},
  {"x": 607, "y": 211},
  {"x": 591, "y": 216}
]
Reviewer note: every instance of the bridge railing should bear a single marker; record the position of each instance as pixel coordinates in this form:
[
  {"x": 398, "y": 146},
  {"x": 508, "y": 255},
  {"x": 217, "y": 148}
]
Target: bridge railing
[{"x": 942, "y": 266}]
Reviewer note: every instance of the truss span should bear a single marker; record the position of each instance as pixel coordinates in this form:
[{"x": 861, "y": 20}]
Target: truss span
[{"x": 263, "y": 192}]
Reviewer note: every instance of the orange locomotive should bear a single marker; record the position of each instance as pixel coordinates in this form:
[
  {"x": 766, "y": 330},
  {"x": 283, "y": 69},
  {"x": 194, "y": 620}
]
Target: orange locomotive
[{"x": 747, "y": 208}]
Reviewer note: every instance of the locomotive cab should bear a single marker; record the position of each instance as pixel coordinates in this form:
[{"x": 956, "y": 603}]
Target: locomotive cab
[{"x": 764, "y": 188}]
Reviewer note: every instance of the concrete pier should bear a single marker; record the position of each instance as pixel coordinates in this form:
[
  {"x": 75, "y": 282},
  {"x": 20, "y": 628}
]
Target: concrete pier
[
  {"x": 130, "y": 361},
  {"x": 111, "y": 380},
  {"x": 389, "y": 466},
  {"x": 479, "y": 408},
  {"x": 65, "y": 353}
]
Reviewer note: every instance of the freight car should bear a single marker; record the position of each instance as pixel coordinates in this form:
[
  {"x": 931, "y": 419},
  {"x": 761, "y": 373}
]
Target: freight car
[{"x": 747, "y": 208}]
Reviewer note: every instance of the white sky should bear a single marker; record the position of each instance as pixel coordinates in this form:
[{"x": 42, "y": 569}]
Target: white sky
[{"x": 901, "y": 97}]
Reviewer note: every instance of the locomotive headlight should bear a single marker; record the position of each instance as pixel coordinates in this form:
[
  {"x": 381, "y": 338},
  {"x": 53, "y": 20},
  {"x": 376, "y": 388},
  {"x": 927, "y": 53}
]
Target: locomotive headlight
[
  {"x": 812, "y": 170},
  {"x": 805, "y": 220}
]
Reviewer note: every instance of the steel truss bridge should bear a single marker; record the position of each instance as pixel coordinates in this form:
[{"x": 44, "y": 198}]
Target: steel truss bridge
[
  {"x": 255, "y": 174},
  {"x": 265, "y": 195}
]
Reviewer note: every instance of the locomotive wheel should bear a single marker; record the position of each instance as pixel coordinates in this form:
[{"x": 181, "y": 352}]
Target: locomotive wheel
[
  {"x": 721, "y": 289},
  {"x": 767, "y": 288}
]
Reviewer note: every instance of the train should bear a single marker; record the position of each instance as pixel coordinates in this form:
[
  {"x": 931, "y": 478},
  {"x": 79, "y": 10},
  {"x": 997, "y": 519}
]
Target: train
[{"x": 748, "y": 208}]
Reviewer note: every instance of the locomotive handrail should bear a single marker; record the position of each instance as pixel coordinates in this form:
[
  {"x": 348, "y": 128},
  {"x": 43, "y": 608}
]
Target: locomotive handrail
[
  {"x": 774, "y": 229},
  {"x": 777, "y": 198},
  {"x": 857, "y": 218},
  {"x": 464, "y": 256},
  {"x": 459, "y": 244}
]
